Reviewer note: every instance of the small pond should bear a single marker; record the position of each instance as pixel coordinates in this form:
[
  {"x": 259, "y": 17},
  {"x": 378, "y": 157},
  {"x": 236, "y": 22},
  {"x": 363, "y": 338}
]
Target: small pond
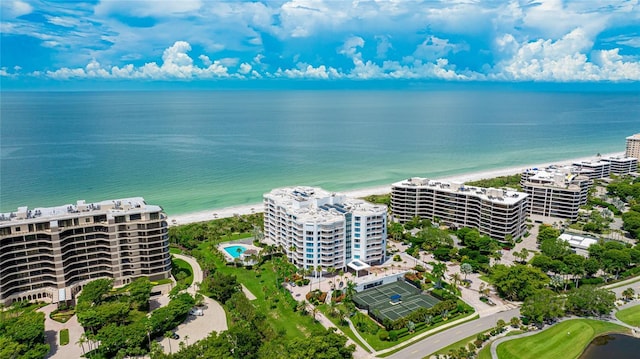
[{"x": 612, "y": 346}]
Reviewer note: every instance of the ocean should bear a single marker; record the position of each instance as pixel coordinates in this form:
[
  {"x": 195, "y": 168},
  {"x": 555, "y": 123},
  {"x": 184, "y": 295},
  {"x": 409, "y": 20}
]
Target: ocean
[{"x": 190, "y": 151}]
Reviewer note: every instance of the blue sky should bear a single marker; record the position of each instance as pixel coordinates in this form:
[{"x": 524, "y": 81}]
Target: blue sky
[{"x": 161, "y": 41}]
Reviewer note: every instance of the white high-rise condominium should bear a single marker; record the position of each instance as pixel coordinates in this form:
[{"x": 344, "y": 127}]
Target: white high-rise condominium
[
  {"x": 50, "y": 253},
  {"x": 633, "y": 146},
  {"x": 497, "y": 213},
  {"x": 315, "y": 227},
  {"x": 556, "y": 191}
]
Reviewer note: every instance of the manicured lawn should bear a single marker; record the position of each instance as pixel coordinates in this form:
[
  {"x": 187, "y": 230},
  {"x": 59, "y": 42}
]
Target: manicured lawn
[
  {"x": 181, "y": 266},
  {"x": 62, "y": 316},
  {"x": 565, "y": 340},
  {"x": 630, "y": 315},
  {"x": 64, "y": 337},
  {"x": 344, "y": 328},
  {"x": 273, "y": 301}
]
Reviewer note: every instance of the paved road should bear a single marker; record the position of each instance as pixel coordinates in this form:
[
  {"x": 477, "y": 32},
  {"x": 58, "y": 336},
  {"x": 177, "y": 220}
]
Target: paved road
[{"x": 450, "y": 336}]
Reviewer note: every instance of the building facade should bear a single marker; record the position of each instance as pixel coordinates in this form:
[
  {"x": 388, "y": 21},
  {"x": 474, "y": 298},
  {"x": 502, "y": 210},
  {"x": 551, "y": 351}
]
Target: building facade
[
  {"x": 495, "y": 212},
  {"x": 555, "y": 192},
  {"x": 633, "y": 146},
  {"x": 50, "y": 253},
  {"x": 593, "y": 169},
  {"x": 622, "y": 165},
  {"x": 318, "y": 228}
]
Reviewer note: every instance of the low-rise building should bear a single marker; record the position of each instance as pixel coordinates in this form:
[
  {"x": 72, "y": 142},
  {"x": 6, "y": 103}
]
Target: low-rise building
[
  {"x": 498, "y": 213},
  {"x": 594, "y": 169},
  {"x": 317, "y": 228},
  {"x": 622, "y": 165},
  {"x": 50, "y": 253}
]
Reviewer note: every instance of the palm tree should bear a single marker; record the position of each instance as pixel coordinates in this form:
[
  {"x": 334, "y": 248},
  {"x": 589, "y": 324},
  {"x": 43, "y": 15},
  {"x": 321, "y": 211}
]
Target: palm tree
[
  {"x": 319, "y": 271},
  {"x": 455, "y": 277},
  {"x": 341, "y": 274},
  {"x": 81, "y": 341},
  {"x": 349, "y": 290},
  {"x": 628, "y": 294},
  {"x": 466, "y": 269},
  {"x": 168, "y": 335},
  {"x": 186, "y": 339},
  {"x": 331, "y": 271},
  {"x": 315, "y": 312},
  {"x": 438, "y": 271}
]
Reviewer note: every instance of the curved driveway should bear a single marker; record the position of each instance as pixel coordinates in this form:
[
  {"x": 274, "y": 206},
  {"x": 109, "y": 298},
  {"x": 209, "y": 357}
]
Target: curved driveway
[{"x": 197, "y": 327}]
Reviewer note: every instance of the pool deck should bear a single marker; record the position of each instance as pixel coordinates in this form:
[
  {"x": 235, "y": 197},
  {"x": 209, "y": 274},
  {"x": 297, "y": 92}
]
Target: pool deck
[{"x": 247, "y": 243}]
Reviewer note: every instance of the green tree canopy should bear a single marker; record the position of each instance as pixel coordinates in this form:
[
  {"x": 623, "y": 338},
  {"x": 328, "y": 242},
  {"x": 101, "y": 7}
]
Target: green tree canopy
[
  {"x": 518, "y": 282},
  {"x": 543, "y": 305},
  {"x": 590, "y": 301}
]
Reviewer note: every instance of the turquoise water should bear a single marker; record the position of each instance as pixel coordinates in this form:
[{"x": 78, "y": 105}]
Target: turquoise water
[
  {"x": 233, "y": 251},
  {"x": 196, "y": 150}
]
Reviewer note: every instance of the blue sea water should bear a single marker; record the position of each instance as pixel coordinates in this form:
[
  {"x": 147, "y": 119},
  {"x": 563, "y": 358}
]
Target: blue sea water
[{"x": 195, "y": 150}]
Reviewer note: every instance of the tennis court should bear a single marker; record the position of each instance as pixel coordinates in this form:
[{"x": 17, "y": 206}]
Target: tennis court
[{"x": 393, "y": 300}]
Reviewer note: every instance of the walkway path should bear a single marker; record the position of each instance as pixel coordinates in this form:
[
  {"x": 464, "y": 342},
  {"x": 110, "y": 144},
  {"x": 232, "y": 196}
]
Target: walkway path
[
  {"x": 52, "y": 335},
  {"x": 197, "y": 327}
]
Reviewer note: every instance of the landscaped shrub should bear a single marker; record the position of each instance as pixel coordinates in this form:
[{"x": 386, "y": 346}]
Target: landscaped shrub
[
  {"x": 393, "y": 335},
  {"x": 383, "y": 335}
]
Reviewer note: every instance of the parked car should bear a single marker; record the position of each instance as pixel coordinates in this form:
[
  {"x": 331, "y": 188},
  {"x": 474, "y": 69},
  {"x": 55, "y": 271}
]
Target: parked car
[
  {"x": 196, "y": 311},
  {"x": 175, "y": 336}
]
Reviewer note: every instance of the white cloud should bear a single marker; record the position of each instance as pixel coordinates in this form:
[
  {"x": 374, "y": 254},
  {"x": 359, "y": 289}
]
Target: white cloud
[
  {"x": 16, "y": 8},
  {"x": 177, "y": 64},
  {"x": 562, "y": 60},
  {"x": 433, "y": 48},
  {"x": 245, "y": 68},
  {"x": 309, "y": 72}
]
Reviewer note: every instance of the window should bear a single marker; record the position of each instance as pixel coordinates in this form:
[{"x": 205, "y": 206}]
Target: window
[
  {"x": 309, "y": 244},
  {"x": 310, "y": 256},
  {"x": 135, "y": 217},
  {"x": 309, "y": 250}
]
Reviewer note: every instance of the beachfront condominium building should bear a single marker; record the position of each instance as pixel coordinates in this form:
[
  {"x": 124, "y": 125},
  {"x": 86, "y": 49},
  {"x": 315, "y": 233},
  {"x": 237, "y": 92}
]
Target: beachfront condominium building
[
  {"x": 497, "y": 213},
  {"x": 593, "y": 169},
  {"x": 555, "y": 191},
  {"x": 633, "y": 146},
  {"x": 315, "y": 228},
  {"x": 50, "y": 253},
  {"x": 622, "y": 165}
]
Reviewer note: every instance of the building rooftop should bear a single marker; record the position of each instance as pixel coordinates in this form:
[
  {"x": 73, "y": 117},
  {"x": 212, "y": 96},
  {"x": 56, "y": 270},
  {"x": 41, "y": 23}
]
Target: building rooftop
[
  {"x": 490, "y": 194},
  {"x": 578, "y": 241},
  {"x": 124, "y": 205},
  {"x": 316, "y": 204}
]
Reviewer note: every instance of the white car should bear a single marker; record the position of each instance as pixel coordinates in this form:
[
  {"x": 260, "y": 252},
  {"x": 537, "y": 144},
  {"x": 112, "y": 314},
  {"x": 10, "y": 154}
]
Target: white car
[{"x": 196, "y": 311}]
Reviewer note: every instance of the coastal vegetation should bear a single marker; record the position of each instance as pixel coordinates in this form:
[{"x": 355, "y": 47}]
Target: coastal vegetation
[
  {"x": 379, "y": 199},
  {"x": 627, "y": 191},
  {"x": 511, "y": 181},
  {"x": 22, "y": 331},
  {"x": 567, "y": 339}
]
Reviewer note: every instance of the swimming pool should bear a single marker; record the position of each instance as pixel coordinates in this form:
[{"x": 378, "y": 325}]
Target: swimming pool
[{"x": 235, "y": 251}]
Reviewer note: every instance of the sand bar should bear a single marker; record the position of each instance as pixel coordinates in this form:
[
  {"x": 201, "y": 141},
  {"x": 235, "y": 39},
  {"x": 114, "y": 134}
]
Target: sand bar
[{"x": 467, "y": 177}]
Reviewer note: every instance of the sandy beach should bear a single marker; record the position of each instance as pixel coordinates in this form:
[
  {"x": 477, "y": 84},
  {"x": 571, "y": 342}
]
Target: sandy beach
[{"x": 208, "y": 215}]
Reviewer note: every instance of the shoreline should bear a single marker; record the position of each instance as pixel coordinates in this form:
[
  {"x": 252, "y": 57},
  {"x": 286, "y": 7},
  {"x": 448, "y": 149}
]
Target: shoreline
[{"x": 208, "y": 215}]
